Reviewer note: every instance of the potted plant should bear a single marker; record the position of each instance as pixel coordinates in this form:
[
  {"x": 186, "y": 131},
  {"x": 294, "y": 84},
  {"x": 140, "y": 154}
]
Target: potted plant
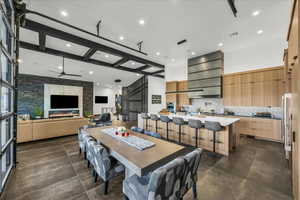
[{"x": 38, "y": 112}]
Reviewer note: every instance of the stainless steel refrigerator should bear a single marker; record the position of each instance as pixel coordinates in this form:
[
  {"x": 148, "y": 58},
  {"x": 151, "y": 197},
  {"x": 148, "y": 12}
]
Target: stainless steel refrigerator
[{"x": 287, "y": 124}]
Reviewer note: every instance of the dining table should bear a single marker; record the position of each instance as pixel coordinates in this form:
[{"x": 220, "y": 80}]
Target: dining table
[{"x": 136, "y": 161}]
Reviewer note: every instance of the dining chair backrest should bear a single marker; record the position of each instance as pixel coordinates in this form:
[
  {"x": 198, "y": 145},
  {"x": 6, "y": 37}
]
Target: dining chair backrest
[
  {"x": 213, "y": 126},
  {"x": 145, "y": 116},
  {"x": 81, "y": 139},
  {"x": 194, "y": 123},
  {"x": 190, "y": 177},
  {"x": 165, "y": 119},
  {"x": 90, "y": 141},
  {"x": 178, "y": 121},
  {"x": 102, "y": 162},
  {"x": 165, "y": 181}
]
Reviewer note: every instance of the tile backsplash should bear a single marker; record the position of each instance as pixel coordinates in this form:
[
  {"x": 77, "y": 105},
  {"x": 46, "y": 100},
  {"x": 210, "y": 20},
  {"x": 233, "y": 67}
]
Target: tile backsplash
[{"x": 207, "y": 105}]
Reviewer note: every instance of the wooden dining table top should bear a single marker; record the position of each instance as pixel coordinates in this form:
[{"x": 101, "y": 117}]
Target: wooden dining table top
[{"x": 140, "y": 162}]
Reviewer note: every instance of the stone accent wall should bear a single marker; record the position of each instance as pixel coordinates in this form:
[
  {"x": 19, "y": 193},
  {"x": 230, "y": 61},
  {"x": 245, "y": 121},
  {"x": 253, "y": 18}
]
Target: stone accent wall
[{"x": 31, "y": 92}]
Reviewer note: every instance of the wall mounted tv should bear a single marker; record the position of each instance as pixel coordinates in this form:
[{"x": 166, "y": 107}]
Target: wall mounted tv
[
  {"x": 63, "y": 101},
  {"x": 101, "y": 99}
]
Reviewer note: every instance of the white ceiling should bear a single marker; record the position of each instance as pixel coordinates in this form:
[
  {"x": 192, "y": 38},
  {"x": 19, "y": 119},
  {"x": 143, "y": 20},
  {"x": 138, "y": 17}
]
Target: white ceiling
[{"x": 204, "y": 23}]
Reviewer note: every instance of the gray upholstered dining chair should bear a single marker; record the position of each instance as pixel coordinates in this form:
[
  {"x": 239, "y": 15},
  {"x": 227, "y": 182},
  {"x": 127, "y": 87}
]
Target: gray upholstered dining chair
[
  {"x": 190, "y": 177},
  {"x": 90, "y": 141},
  {"x": 81, "y": 140},
  {"x": 163, "y": 183},
  {"x": 105, "y": 166}
]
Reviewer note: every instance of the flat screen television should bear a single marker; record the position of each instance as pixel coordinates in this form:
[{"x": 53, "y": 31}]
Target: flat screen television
[
  {"x": 63, "y": 101},
  {"x": 101, "y": 99}
]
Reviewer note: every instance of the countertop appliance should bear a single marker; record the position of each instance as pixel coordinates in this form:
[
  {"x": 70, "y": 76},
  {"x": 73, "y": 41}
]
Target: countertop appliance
[
  {"x": 287, "y": 123},
  {"x": 171, "y": 107}
]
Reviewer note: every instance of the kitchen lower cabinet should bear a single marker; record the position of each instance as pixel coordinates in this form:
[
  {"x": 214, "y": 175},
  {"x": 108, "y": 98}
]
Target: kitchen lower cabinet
[{"x": 261, "y": 128}]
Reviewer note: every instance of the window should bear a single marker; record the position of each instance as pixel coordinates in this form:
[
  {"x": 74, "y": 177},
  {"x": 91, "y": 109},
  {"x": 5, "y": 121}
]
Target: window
[
  {"x": 6, "y": 131},
  {"x": 6, "y": 68},
  {"x": 6, "y": 100},
  {"x": 7, "y": 156}
]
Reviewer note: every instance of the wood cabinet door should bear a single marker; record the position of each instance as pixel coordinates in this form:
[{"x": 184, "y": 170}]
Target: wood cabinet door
[
  {"x": 171, "y": 86},
  {"x": 24, "y": 132},
  {"x": 227, "y": 95},
  {"x": 257, "y": 98},
  {"x": 182, "y": 86},
  {"x": 171, "y": 97},
  {"x": 183, "y": 99},
  {"x": 246, "y": 99}
]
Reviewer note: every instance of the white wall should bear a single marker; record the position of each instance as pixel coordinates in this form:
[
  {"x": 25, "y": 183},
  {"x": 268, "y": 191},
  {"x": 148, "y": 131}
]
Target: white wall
[
  {"x": 264, "y": 53},
  {"x": 104, "y": 91},
  {"x": 156, "y": 86}
]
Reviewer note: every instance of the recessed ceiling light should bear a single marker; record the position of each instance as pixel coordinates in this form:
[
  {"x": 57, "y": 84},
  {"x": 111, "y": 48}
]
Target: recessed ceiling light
[
  {"x": 158, "y": 53},
  {"x": 138, "y": 74},
  {"x": 68, "y": 45},
  {"x": 19, "y": 60},
  {"x": 98, "y": 84},
  {"x": 106, "y": 55},
  {"x": 141, "y": 21},
  {"x": 220, "y": 44},
  {"x": 64, "y": 13},
  {"x": 133, "y": 63},
  {"x": 121, "y": 38},
  {"x": 91, "y": 72},
  {"x": 255, "y": 13},
  {"x": 260, "y": 32},
  {"x": 173, "y": 60},
  {"x": 59, "y": 67},
  {"x": 193, "y": 53}
]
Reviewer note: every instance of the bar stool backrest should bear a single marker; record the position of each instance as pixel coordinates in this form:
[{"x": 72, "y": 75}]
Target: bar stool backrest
[
  {"x": 213, "y": 126},
  {"x": 193, "y": 123},
  {"x": 145, "y": 116},
  {"x": 154, "y": 117},
  {"x": 165, "y": 119},
  {"x": 178, "y": 120}
]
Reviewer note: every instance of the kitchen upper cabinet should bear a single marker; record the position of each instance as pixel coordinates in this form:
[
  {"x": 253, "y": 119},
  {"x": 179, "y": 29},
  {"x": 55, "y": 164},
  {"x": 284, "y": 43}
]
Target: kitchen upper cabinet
[
  {"x": 254, "y": 88},
  {"x": 182, "y": 86},
  {"x": 171, "y": 97},
  {"x": 171, "y": 86}
]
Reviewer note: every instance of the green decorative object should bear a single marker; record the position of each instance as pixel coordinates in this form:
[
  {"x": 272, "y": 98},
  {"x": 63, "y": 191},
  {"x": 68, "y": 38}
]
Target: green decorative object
[
  {"x": 38, "y": 112},
  {"x": 87, "y": 114}
]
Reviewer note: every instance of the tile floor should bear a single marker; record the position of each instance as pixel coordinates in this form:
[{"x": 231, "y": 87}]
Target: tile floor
[{"x": 53, "y": 170}]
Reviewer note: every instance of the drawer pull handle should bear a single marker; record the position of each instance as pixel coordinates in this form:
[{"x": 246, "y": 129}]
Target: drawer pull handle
[
  {"x": 293, "y": 64},
  {"x": 295, "y": 57},
  {"x": 218, "y": 142}
]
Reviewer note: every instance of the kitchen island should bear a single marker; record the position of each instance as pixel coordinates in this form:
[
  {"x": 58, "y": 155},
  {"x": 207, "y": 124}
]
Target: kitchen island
[{"x": 226, "y": 139}]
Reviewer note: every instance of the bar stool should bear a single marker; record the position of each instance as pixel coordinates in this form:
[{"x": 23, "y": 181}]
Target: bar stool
[
  {"x": 167, "y": 120},
  {"x": 213, "y": 126},
  {"x": 179, "y": 121},
  {"x": 155, "y": 118},
  {"x": 196, "y": 124},
  {"x": 145, "y": 116}
]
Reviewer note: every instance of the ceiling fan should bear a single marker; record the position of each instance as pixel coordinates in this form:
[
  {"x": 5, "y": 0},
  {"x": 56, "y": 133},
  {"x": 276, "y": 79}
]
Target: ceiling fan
[{"x": 63, "y": 73}]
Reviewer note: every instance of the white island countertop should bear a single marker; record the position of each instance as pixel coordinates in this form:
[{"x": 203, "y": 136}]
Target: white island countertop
[{"x": 224, "y": 121}]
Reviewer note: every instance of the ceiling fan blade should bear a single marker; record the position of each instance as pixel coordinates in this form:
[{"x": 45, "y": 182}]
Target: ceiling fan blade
[{"x": 73, "y": 75}]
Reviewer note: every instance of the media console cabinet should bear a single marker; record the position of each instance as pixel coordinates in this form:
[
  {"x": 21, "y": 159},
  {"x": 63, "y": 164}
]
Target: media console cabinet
[{"x": 31, "y": 130}]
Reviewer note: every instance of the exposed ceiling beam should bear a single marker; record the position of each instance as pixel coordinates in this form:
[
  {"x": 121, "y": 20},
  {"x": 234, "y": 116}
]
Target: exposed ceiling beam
[
  {"x": 42, "y": 40},
  {"x": 232, "y": 6},
  {"x": 38, "y": 27},
  {"x": 157, "y": 72},
  {"x": 143, "y": 67},
  {"x": 33, "y": 47},
  {"x": 89, "y": 53},
  {"x": 120, "y": 62}
]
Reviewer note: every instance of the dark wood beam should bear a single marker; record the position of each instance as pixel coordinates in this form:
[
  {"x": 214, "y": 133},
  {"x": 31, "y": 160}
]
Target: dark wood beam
[
  {"x": 33, "y": 47},
  {"x": 89, "y": 53},
  {"x": 143, "y": 67},
  {"x": 157, "y": 72},
  {"x": 42, "y": 40},
  {"x": 49, "y": 31},
  {"x": 120, "y": 62}
]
